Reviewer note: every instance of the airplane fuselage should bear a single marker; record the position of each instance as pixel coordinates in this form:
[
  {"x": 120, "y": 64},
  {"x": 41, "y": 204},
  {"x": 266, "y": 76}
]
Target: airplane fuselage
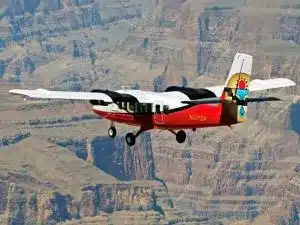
[
  {"x": 186, "y": 117},
  {"x": 163, "y": 112}
]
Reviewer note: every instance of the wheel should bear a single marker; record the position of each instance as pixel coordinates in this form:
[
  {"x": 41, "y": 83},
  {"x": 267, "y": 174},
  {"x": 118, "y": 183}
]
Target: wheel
[
  {"x": 130, "y": 139},
  {"x": 112, "y": 132},
  {"x": 180, "y": 136}
]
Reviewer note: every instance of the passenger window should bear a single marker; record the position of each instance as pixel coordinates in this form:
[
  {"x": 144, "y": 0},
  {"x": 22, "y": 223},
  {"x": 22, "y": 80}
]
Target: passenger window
[
  {"x": 130, "y": 107},
  {"x": 157, "y": 108},
  {"x": 124, "y": 105},
  {"x": 145, "y": 108},
  {"x": 137, "y": 109},
  {"x": 149, "y": 108},
  {"x": 166, "y": 108},
  {"x": 142, "y": 108},
  {"x": 119, "y": 104}
]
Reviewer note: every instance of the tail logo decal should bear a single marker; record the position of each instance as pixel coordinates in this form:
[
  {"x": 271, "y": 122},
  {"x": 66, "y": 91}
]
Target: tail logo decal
[
  {"x": 237, "y": 89},
  {"x": 242, "y": 83},
  {"x": 242, "y": 89},
  {"x": 238, "y": 83}
]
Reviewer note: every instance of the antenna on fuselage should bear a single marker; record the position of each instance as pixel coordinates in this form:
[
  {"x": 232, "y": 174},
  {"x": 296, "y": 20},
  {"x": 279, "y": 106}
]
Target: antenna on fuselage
[{"x": 124, "y": 88}]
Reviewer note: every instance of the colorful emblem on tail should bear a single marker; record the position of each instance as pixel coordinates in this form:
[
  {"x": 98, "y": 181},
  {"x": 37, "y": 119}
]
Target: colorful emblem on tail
[{"x": 236, "y": 91}]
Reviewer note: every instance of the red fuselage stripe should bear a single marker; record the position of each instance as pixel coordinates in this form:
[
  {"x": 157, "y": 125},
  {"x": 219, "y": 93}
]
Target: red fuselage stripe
[{"x": 198, "y": 116}]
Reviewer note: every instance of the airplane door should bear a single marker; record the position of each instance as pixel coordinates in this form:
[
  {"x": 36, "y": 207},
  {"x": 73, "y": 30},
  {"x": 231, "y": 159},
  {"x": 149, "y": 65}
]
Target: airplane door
[{"x": 159, "y": 116}]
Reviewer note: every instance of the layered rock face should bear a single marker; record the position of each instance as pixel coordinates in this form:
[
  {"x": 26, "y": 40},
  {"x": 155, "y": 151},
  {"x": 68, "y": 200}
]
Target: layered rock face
[
  {"x": 21, "y": 205},
  {"x": 248, "y": 174},
  {"x": 125, "y": 163},
  {"x": 271, "y": 37},
  {"x": 114, "y": 156},
  {"x": 232, "y": 174},
  {"x": 47, "y": 30}
]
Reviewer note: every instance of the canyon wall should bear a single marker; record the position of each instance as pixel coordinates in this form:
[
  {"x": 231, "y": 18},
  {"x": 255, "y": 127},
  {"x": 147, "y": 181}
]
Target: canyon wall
[{"x": 248, "y": 173}]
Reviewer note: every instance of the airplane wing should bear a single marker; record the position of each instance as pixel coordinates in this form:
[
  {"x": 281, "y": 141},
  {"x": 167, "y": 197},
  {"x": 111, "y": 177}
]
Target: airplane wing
[
  {"x": 46, "y": 94},
  {"x": 106, "y": 96},
  {"x": 258, "y": 85}
]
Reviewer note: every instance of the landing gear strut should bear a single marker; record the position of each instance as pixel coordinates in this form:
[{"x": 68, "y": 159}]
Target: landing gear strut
[
  {"x": 129, "y": 138},
  {"x": 180, "y": 136}
]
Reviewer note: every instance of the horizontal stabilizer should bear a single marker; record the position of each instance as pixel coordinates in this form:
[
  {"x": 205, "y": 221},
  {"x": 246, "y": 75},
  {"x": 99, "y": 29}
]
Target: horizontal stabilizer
[
  {"x": 220, "y": 100},
  {"x": 258, "y": 85},
  {"x": 204, "y": 101},
  {"x": 263, "y": 99}
]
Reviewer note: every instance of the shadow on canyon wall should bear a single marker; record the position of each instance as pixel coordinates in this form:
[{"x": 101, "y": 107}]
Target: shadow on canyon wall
[
  {"x": 126, "y": 163},
  {"x": 294, "y": 117}
]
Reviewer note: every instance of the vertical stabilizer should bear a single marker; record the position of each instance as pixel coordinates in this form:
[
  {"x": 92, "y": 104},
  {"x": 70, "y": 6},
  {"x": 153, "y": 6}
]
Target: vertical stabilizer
[
  {"x": 237, "y": 89},
  {"x": 242, "y": 63}
]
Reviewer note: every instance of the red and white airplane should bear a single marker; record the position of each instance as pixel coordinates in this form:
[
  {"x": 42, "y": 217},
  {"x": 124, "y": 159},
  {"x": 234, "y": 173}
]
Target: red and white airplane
[{"x": 177, "y": 108}]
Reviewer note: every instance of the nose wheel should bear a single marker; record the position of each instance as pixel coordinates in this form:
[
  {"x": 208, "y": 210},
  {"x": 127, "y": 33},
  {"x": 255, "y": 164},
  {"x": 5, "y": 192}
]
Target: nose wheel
[{"x": 112, "y": 132}]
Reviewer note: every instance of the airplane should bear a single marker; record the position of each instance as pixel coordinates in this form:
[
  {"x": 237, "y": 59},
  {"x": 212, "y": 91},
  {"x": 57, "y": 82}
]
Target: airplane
[{"x": 177, "y": 108}]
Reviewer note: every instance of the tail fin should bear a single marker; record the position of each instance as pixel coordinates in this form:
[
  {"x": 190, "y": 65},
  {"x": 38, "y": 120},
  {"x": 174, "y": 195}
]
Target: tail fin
[{"x": 237, "y": 89}]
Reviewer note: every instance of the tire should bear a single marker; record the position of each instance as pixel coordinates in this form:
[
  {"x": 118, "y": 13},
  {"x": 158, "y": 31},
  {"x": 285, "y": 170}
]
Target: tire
[
  {"x": 130, "y": 139},
  {"x": 180, "y": 136},
  {"x": 112, "y": 132}
]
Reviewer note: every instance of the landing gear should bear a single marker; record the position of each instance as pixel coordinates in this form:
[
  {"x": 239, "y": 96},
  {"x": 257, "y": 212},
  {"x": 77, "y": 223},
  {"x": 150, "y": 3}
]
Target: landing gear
[
  {"x": 180, "y": 136},
  {"x": 112, "y": 132},
  {"x": 130, "y": 137}
]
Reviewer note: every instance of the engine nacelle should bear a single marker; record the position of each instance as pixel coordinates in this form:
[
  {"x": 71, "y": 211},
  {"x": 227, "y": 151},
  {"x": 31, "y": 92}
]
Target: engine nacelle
[{"x": 98, "y": 102}]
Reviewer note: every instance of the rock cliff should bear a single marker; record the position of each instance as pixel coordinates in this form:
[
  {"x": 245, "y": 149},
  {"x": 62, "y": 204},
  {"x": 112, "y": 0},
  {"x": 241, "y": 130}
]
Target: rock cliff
[
  {"x": 66, "y": 168},
  {"x": 33, "y": 192},
  {"x": 20, "y": 205}
]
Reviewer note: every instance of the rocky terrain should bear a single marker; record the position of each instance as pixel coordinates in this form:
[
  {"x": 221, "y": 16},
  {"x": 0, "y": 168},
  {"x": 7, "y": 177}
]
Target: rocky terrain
[{"x": 57, "y": 164}]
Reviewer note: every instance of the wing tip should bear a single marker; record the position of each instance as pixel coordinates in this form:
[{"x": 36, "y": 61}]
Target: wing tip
[
  {"x": 13, "y": 91},
  {"x": 287, "y": 80},
  {"x": 18, "y": 92},
  {"x": 292, "y": 82}
]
